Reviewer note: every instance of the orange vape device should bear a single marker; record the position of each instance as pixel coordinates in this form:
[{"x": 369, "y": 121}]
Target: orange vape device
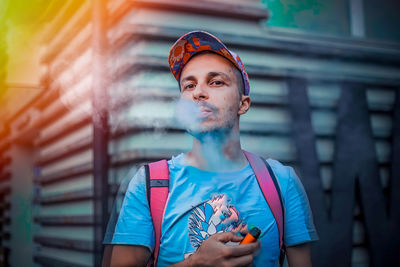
[{"x": 251, "y": 236}]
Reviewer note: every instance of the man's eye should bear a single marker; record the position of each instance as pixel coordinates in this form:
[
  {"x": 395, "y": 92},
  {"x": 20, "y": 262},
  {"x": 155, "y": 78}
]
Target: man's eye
[
  {"x": 217, "y": 83},
  {"x": 188, "y": 86}
]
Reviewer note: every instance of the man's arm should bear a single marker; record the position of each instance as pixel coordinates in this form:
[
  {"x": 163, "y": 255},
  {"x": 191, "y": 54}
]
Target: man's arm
[
  {"x": 299, "y": 256},
  {"x": 134, "y": 214},
  {"x": 214, "y": 252},
  {"x": 129, "y": 256}
]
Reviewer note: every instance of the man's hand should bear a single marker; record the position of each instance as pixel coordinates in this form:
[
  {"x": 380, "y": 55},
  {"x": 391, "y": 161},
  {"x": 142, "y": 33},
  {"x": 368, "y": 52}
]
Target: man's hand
[{"x": 215, "y": 252}]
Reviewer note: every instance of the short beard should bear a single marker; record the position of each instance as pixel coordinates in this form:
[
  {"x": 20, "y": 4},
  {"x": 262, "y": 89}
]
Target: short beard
[
  {"x": 214, "y": 131},
  {"x": 216, "y": 136},
  {"x": 186, "y": 114}
]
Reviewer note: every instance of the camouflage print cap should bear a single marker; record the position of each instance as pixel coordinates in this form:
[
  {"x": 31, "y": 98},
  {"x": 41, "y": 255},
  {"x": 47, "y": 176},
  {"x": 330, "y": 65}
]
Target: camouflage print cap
[{"x": 194, "y": 42}]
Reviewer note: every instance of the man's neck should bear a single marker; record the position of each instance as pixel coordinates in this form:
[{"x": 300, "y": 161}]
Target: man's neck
[{"x": 217, "y": 151}]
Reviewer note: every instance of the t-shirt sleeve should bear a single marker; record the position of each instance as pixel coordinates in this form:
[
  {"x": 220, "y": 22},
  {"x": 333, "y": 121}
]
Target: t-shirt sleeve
[
  {"x": 299, "y": 227},
  {"x": 134, "y": 225}
]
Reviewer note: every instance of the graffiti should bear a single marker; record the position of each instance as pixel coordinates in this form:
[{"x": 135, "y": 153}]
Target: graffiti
[{"x": 355, "y": 175}]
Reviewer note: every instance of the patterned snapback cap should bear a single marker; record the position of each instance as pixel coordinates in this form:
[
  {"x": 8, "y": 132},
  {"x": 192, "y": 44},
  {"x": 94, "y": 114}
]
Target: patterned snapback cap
[{"x": 194, "y": 42}]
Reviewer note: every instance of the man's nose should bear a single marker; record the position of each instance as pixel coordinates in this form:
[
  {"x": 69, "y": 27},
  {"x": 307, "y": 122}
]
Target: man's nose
[{"x": 200, "y": 92}]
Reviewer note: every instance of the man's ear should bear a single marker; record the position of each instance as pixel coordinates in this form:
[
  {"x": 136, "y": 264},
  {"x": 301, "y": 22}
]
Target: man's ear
[{"x": 244, "y": 104}]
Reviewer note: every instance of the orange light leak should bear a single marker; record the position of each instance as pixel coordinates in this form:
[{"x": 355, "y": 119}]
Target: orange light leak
[{"x": 27, "y": 30}]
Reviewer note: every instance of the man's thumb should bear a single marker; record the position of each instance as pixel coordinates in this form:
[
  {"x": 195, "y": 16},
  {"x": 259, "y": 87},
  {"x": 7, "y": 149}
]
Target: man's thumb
[{"x": 228, "y": 236}]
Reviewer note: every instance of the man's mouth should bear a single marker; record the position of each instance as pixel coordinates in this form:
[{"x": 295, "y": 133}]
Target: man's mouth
[{"x": 205, "y": 112}]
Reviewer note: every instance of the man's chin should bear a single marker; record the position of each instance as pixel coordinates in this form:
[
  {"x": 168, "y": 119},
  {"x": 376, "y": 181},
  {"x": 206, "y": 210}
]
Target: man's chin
[
  {"x": 200, "y": 131},
  {"x": 205, "y": 132}
]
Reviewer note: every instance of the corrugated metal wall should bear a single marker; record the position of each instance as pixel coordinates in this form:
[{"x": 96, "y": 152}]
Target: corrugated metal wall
[
  {"x": 141, "y": 113},
  {"x": 64, "y": 144},
  {"x": 5, "y": 202},
  {"x": 5, "y": 173}
]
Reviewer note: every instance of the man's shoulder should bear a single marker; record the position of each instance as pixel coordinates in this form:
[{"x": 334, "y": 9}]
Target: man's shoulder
[
  {"x": 175, "y": 162},
  {"x": 280, "y": 170},
  {"x": 139, "y": 172},
  {"x": 283, "y": 173}
]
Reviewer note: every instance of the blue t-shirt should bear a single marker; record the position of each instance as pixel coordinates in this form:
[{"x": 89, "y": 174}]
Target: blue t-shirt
[{"x": 202, "y": 203}]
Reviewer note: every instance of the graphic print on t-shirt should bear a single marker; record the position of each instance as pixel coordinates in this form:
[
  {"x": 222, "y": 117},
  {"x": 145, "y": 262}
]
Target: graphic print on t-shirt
[{"x": 215, "y": 215}]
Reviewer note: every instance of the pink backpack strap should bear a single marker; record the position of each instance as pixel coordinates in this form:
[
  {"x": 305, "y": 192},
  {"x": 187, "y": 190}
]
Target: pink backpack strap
[
  {"x": 157, "y": 187},
  {"x": 271, "y": 190}
]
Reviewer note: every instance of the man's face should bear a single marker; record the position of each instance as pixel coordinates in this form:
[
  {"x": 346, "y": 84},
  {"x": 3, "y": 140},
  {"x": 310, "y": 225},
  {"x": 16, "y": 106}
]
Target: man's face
[{"x": 209, "y": 80}]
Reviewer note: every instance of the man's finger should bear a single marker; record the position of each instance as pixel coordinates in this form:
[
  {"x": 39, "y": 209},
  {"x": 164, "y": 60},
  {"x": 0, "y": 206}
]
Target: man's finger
[
  {"x": 246, "y": 260},
  {"x": 245, "y": 249},
  {"x": 226, "y": 237}
]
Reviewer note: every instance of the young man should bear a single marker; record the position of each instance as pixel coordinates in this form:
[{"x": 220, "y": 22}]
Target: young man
[{"x": 213, "y": 192}]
